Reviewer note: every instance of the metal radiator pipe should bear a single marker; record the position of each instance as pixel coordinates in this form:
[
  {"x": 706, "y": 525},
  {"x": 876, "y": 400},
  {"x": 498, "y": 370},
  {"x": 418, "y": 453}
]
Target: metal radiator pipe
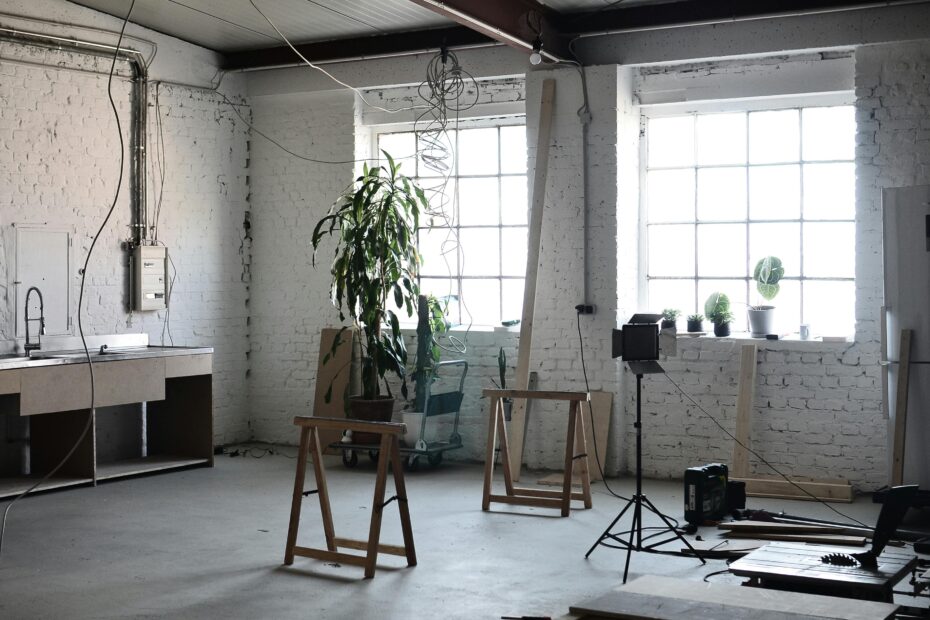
[{"x": 139, "y": 97}]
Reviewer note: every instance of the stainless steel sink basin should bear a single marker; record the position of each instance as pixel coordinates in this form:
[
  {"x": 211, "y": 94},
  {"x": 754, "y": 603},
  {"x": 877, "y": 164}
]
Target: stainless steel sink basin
[{"x": 13, "y": 357}]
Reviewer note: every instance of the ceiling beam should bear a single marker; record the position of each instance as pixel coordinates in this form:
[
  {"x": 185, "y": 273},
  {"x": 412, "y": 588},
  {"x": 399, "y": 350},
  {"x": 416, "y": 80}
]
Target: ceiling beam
[
  {"x": 374, "y": 46},
  {"x": 517, "y": 23},
  {"x": 687, "y": 12}
]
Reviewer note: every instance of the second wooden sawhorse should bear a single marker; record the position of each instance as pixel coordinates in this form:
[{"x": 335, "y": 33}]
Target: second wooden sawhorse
[{"x": 576, "y": 449}]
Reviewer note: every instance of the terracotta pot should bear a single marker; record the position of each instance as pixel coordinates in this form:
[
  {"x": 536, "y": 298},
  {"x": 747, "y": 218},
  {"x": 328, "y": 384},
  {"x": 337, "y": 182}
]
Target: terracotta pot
[
  {"x": 378, "y": 410},
  {"x": 721, "y": 329}
]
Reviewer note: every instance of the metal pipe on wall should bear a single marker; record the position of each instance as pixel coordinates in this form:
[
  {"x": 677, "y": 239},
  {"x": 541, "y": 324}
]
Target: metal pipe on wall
[{"x": 139, "y": 100}]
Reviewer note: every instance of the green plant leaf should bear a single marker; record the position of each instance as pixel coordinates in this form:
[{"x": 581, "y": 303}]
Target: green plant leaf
[{"x": 768, "y": 291}]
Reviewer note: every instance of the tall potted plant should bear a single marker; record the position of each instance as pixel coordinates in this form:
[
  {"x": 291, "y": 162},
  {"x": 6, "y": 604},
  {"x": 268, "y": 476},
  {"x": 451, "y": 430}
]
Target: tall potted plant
[
  {"x": 768, "y": 272},
  {"x": 374, "y": 269}
]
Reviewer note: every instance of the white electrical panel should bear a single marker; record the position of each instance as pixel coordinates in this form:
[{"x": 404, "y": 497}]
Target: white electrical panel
[{"x": 149, "y": 277}]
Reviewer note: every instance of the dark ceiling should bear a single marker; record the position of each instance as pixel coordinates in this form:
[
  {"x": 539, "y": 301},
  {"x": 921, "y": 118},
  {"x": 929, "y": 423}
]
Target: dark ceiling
[{"x": 330, "y": 30}]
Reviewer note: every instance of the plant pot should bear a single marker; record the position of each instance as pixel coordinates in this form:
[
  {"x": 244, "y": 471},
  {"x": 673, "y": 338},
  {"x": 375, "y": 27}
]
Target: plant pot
[
  {"x": 379, "y": 410},
  {"x": 413, "y": 420},
  {"x": 695, "y": 326},
  {"x": 666, "y": 324},
  {"x": 761, "y": 321},
  {"x": 508, "y": 409},
  {"x": 721, "y": 329}
]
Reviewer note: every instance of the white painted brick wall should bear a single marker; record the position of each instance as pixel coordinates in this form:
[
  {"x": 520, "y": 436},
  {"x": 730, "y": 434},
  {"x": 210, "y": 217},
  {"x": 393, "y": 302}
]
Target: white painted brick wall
[
  {"x": 290, "y": 298},
  {"x": 59, "y": 153}
]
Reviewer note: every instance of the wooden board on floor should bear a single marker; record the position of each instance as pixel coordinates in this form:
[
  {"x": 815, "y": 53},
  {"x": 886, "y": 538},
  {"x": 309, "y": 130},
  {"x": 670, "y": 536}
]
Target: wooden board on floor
[
  {"x": 652, "y": 597},
  {"x": 335, "y": 371},
  {"x": 776, "y": 528},
  {"x": 819, "y": 539},
  {"x": 759, "y": 486}
]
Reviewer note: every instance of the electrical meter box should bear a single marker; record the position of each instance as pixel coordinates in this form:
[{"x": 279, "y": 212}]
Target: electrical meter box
[{"x": 149, "y": 277}]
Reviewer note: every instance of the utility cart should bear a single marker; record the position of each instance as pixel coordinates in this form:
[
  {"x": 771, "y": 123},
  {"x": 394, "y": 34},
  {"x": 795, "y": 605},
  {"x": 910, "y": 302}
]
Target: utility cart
[{"x": 445, "y": 403}]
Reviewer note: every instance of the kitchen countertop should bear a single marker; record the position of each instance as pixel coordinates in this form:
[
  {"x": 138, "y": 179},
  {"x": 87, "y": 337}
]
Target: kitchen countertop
[{"x": 77, "y": 356}]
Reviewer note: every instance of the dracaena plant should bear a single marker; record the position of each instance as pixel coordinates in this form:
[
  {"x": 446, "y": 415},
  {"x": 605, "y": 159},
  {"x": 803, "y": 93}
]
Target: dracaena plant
[{"x": 374, "y": 268}]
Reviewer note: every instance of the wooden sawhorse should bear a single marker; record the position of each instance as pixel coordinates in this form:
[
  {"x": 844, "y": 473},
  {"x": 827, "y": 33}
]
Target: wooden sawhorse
[
  {"x": 576, "y": 448},
  {"x": 389, "y": 452}
]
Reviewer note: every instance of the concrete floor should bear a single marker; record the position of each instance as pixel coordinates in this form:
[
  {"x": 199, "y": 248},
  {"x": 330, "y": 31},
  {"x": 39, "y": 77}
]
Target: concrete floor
[{"x": 209, "y": 543}]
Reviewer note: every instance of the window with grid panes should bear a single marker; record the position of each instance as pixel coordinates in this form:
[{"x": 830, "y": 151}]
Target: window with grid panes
[
  {"x": 723, "y": 190},
  {"x": 474, "y": 245}
]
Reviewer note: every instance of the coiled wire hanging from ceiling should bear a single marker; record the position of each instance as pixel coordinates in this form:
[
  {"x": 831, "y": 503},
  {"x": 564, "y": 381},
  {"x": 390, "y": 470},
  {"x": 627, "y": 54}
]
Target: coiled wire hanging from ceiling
[{"x": 447, "y": 89}]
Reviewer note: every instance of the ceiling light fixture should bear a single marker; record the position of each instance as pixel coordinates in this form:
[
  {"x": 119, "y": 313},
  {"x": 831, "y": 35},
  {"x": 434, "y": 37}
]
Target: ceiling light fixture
[{"x": 536, "y": 56}]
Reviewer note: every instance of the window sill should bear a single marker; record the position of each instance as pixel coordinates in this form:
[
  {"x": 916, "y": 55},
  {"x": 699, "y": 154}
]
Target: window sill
[{"x": 789, "y": 341}]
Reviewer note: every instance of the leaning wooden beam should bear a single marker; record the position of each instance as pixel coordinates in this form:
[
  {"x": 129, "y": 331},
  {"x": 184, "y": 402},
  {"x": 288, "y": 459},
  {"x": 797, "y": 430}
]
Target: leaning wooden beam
[
  {"x": 537, "y": 202},
  {"x": 744, "y": 399},
  {"x": 900, "y": 408}
]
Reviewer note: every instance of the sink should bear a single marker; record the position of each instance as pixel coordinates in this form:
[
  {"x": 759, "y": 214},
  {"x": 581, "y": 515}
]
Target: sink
[
  {"x": 13, "y": 358},
  {"x": 94, "y": 353}
]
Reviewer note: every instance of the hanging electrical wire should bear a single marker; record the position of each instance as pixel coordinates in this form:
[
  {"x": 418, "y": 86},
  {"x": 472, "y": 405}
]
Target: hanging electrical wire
[
  {"x": 324, "y": 71},
  {"x": 447, "y": 89}
]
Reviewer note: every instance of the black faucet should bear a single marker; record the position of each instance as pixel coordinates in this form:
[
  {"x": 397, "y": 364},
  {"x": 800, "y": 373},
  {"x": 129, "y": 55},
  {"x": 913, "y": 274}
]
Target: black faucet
[{"x": 28, "y": 347}]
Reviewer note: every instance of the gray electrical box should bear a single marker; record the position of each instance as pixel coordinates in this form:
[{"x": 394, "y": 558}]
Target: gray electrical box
[{"x": 149, "y": 277}]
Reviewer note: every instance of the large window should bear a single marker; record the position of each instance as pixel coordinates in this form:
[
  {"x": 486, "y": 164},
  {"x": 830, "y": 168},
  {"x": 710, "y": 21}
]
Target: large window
[
  {"x": 723, "y": 190},
  {"x": 475, "y": 241}
]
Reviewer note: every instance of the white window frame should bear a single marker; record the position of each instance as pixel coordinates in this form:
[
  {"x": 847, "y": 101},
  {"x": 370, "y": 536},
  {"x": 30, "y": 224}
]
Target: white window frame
[
  {"x": 470, "y": 123},
  {"x": 842, "y": 98}
]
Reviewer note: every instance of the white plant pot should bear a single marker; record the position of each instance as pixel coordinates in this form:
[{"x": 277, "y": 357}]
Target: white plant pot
[
  {"x": 414, "y": 423},
  {"x": 761, "y": 321}
]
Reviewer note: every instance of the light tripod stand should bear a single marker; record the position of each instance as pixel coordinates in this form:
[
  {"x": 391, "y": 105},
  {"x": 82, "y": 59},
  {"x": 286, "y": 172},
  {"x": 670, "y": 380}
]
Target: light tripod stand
[{"x": 639, "y": 501}]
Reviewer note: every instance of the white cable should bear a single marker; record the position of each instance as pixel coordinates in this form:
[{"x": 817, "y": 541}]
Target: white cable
[{"x": 327, "y": 73}]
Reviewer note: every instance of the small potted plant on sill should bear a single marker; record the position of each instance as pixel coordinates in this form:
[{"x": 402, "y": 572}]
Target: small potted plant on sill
[
  {"x": 717, "y": 309},
  {"x": 374, "y": 268},
  {"x": 767, "y": 273},
  {"x": 695, "y": 323},
  {"x": 670, "y": 317}
]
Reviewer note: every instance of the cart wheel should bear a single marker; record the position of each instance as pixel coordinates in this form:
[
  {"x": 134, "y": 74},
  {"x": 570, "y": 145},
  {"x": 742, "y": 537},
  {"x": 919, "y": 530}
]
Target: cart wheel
[
  {"x": 412, "y": 463},
  {"x": 435, "y": 458},
  {"x": 455, "y": 439},
  {"x": 349, "y": 458},
  {"x": 373, "y": 456}
]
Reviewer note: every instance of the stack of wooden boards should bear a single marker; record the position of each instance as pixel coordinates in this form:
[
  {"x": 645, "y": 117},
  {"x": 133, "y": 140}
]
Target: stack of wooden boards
[
  {"x": 741, "y": 537},
  {"x": 657, "y": 598}
]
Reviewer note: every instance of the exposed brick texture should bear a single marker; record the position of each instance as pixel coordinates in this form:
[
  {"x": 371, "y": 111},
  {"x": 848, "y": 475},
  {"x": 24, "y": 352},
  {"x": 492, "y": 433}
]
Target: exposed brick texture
[{"x": 60, "y": 155}]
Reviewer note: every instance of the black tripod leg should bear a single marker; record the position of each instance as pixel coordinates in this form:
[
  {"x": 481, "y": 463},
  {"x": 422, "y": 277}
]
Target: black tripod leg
[
  {"x": 634, "y": 531},
  {"x": 606, "y": 533},
  {"x": 672, "y": 529}
]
